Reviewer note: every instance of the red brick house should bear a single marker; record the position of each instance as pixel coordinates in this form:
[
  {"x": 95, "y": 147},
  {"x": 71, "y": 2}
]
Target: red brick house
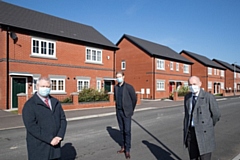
[
  {"x": 232, "y": 77},
  {"x": 153, "y": 69},
  {"x": 211, "y": 74},
  {"x": 35, "y": 44}
]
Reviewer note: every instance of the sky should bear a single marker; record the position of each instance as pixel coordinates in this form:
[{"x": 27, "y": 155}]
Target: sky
[{"x": 207, "y": 27}]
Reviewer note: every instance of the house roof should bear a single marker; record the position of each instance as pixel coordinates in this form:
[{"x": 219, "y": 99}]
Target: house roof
[
  {"x": 19, "y": 17},
  {"x": 227, "y": 65},
  {"x": 154, "y": 49},
  {"x": 203, "y": 60}
]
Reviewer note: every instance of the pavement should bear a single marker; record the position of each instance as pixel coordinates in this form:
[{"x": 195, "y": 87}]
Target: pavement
[{"x": 11, "y": 120}]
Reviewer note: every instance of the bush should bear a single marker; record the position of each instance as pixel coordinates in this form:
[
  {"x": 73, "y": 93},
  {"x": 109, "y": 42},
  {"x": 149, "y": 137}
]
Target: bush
[
  {"x": 66, "y": 100},
  {"x": 183, "y": 91},
  {"x": 92, "y": 95}
]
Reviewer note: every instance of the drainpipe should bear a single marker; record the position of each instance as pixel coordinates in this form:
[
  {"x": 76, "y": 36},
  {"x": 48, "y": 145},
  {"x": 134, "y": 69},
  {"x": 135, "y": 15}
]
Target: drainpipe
[
  {"x": 154, "y": 81},
  {"x": 7, "y": 70}
]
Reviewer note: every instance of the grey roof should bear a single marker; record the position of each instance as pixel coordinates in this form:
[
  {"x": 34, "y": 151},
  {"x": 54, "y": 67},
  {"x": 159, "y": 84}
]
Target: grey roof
[
  {"x": 227, "y": 65},
  {"x": 155, "y": 49},
  {"x": 19, "y": 17},
  {"x": 203, "y": 60}
]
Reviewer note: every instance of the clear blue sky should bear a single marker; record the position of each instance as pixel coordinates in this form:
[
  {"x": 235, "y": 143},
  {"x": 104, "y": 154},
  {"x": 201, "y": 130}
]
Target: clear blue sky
[{"x": 207, "y": 27}]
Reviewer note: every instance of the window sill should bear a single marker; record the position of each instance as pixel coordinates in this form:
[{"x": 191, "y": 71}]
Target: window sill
[
  {"x": 90, "y": 62},
  {"x": 58, "y": 93},
  {"x": 44, "y": 57}
]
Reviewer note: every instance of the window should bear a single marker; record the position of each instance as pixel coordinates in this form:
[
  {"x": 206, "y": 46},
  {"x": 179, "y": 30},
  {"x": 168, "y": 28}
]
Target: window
[
  {"x": 185, "y": 84},
  {"x": 235, "y": 74},
  {"x": 98, "y": 85},
  {"x": 215, "y": 71},
  {"x": 81, "y": 84},
  {"x": 171, "y": 65},
  {"x": 209, "y": 85},
  {"x": 160, "y": 64},
  {"x": 43, "y": 48},
  {"x": 57, "y": 85},
  {"x": 177, "y": 66},
  {"x": 185, "y": 68},
  {"x": 209, "y": 71},
  {"x": 238, "y": 75},
  {"x": 222, "y": 85},
  {"x": 160, "y": 85},
  {"x": 123, "y": 65},
  {"x": 222, "y": 73},
  {"x": 93, "y": 55}
]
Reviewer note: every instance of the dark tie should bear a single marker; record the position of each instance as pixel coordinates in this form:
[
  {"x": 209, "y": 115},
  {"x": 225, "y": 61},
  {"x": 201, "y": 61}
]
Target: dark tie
[
  {"x": 193, "y": 105},
  {"x": 46, "y": 102}
]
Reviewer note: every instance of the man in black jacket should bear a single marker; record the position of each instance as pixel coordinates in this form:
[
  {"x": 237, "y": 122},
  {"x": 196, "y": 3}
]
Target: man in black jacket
[
  {"x": 125, "y": 98},
  {"x": 45, "y": 123}
]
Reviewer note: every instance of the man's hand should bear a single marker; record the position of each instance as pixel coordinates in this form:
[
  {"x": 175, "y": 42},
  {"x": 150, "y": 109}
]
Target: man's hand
[{"x": 55, "y": 141}]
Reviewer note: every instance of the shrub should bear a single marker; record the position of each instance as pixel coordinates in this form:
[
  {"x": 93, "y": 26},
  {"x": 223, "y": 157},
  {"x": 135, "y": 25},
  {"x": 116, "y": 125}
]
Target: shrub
[
  {"x": 66, "y": 100},
  {"x": 92, "y": 95},
  {"x": 183, "y": 91}
]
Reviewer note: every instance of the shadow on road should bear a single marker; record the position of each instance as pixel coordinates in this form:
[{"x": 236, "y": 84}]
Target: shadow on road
[
  {"x": 156, "y": 149},
  {"x": 114, "y": 134},
  {"x": 68, "y": 152}
]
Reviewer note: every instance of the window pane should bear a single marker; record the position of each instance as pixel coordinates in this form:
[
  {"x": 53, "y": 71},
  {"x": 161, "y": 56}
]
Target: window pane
[
  {"x": 54, "y": 85},
  {"x": 60, "y": 85},
  {"x": 93, "y": 55},
  {"x": 35, "y": 46},
  {"x": 50, "y": 48},
  {"x": 43, "y": 47},
  {"x": 88, "y": 54},
  {"x": 99, "y": 56}
]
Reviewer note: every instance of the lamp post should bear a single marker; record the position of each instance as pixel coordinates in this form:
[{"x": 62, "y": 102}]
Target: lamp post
[{"x": 234, "y": 76}]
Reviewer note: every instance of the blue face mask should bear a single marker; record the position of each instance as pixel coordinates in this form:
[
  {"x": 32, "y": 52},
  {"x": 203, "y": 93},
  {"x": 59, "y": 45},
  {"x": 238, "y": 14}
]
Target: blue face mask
[
  {"x": 44, "y": 91},
  {"x": 120, "y": 80}
]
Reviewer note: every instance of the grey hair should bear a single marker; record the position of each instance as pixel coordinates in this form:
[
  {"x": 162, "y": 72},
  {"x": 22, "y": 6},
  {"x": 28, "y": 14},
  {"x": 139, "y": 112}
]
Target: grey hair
[
  {"x": 195, "y": 77},
  {"x": 44, "y": 78}
]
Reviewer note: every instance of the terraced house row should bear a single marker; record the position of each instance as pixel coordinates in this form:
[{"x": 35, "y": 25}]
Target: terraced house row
[{"x": 77, "y": 56}]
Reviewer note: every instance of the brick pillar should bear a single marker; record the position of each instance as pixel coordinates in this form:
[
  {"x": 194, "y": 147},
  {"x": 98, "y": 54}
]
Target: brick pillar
[
  {"x": 111, "y": 98},
  {"x": 138, "y": 94},
  {"x": 175, "y": 96},
  {"x": 22, "y": 98},
  {"x": 75, "y": 98}
]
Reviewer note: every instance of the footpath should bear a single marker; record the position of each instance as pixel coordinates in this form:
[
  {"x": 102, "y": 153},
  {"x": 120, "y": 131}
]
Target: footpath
[{"x": 10, "y": 120}]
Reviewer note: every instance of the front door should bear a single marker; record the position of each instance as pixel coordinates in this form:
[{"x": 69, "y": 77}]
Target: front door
[
  {"x": 18, "y": 86},
  {"x": 107, "y": 86}
]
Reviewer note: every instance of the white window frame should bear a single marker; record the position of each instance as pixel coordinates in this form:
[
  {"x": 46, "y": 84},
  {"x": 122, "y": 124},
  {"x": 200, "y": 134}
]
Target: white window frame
[
  {"x": 37, "y": 51},
  {"x": 209, "y": 84},
  {"x": 160, "y": 64},
  {"x": 177, "y": 66},
  {"x": 83, "y": 82},
  {"x": 171, "y": 65},
  {"x": 98, "y": 85},
  {"x": 185, "y": 84},
  {"x": 160, "y": 85},
  {"x": 123, "y": 65},
  {"x": 215, "y": 71},
  {"x": 222, "y": 85},
  {"x": 93, "y": 55},
  {"x": 222, "y": 73},
  {"x": 235, "y": 74},
  {"x": 185, "y": 68},
  {"x": 58, "y": 85},
  {"x": 209, "y": 71}
]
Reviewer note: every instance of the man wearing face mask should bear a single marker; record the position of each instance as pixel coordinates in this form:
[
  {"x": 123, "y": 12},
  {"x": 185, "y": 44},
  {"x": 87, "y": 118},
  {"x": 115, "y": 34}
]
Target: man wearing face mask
[
  {"x": 201, "y": 115},
  {"x": 45, "y": 123},
  {"x": 125, "y": 98}
]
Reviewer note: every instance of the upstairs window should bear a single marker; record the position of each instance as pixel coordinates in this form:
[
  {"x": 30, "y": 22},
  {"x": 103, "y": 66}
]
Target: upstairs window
[
  {"x": 93, "y": 55},
  {"x": 160, "y": 64},
  {"x": 209, "y": 71},
  {"x": 171, "y": 65},
  {"x": 43, "y": 48},
  {"x": 185, "y": 68},
  {"x": 177, "y": 66},
  {"x": 222, "y": 73}
]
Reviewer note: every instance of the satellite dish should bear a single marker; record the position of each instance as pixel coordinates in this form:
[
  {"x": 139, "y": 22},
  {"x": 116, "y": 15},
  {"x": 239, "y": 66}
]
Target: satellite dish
[{"x": 14, "y": 36}]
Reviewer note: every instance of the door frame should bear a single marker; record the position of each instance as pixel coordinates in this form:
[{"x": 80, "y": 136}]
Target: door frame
[{"x": 26, "y": 85}]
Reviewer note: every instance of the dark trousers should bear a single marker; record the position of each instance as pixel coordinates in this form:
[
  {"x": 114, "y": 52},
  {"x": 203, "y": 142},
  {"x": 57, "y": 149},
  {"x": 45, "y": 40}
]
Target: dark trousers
[
  {"x": 124, "y": 124},
  {"x": 193, "y": 147}
]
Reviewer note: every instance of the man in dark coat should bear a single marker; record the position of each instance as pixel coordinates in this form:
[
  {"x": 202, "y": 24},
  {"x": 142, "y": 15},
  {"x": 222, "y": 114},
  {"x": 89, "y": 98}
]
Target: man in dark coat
[
  {"x": 125, "y": 98},
  {"x": 201, "y": 115},
  {"x": 45, "y": 123}
]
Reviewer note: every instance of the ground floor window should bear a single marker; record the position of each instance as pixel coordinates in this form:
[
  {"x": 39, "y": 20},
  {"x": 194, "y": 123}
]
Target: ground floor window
[
  {"x": 57, "y": 85},
  {"x": 160, "y": 85},
  {"x": 81, "y": 84}
]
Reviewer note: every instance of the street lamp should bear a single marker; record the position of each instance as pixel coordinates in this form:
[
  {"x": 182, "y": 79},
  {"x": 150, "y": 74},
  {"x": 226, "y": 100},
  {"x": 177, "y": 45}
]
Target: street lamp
[{"x": 234, "y": 76}]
